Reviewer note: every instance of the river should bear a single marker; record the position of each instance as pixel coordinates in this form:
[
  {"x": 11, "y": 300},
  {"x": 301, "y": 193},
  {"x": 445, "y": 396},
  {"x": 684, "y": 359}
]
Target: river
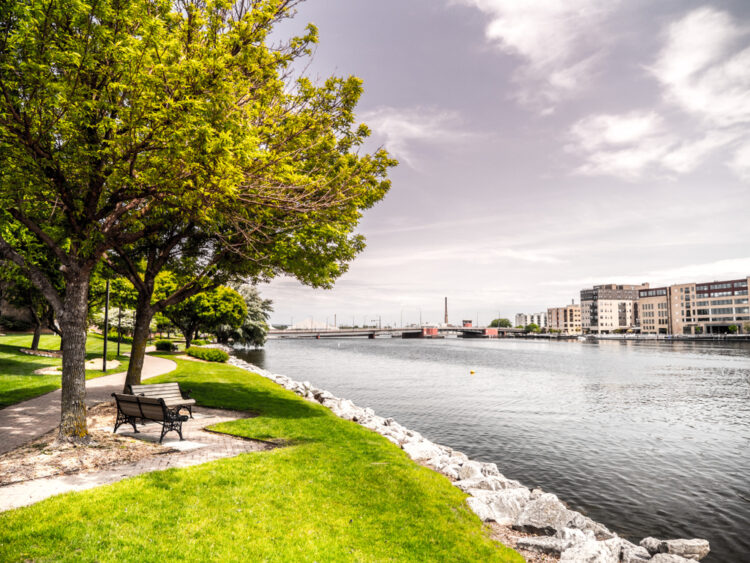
[{"x": 648, "y": 438}]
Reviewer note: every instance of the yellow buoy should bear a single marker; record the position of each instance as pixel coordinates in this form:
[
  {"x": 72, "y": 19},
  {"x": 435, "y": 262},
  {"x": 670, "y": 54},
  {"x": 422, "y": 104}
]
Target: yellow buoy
[{"x": 472, "y": 372}]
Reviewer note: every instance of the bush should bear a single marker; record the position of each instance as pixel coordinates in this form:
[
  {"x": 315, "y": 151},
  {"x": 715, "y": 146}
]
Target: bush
[
  {"x": 208, "y": 354},
  {"x": 165, "y": 345},
  {"x": 200, "y": 342},
  {"x": 126, "y": 339},
  {"x": 14, "y": 325}
]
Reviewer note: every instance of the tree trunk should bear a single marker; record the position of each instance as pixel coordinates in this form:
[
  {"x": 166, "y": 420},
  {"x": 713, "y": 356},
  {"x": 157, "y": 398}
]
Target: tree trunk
[
  {"x": 37, "y": 335},
  {"x": 143, "y": 315},
  {"x": 73, "y": 327},
  {"x": 188, "y": 338}
]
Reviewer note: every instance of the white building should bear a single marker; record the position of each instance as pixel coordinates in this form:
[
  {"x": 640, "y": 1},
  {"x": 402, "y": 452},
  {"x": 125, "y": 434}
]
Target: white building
[{"x": 539, "y": 319}]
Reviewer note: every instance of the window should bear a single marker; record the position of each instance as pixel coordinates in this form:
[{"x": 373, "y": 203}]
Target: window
[{"x": 722, "y": 311}]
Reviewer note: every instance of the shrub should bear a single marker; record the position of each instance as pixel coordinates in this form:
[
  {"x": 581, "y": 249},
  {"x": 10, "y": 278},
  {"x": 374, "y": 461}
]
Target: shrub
[
  {"x": 200, "y": 342},
  {"x": 208, "y": 354},
  {"x": 165, "y": 345},
  {"x": 125, "y": 338},
  {"x": 14, "y": 325}
]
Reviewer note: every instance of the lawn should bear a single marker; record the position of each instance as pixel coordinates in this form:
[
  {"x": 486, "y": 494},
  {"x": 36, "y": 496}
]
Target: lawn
[
  {"x": 334, "y": 492},
  {"x": 17, "y": 379}
]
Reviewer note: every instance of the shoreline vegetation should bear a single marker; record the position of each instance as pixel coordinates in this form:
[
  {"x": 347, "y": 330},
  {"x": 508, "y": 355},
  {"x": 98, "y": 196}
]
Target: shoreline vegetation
[{"x": 332, "y": 491}]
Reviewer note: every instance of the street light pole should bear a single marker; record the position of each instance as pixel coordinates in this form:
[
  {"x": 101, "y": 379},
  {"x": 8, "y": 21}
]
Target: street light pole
[
  {"x": 106, "y": 329},
  {"x": 119, "y": 329}
]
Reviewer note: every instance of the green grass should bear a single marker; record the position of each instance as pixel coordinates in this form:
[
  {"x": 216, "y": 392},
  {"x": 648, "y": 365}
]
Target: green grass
[
  {"x": 17, "y": 379},
  {"x": 335, "y": 492}
]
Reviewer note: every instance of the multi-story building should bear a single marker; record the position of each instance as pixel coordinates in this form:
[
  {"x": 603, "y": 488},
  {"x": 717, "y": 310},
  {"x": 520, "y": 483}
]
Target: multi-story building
[
  {"x": 709, "y": 308},
  {"x": 566, "y": 319},
  {"x": 653, "y": 310},
  {"x": 695, "y": 308},
  {"x": 609, "y": 308},
  {"x": 539, "y": 319}
]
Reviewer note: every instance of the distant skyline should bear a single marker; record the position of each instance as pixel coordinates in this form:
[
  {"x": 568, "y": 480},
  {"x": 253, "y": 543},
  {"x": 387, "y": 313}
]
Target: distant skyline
[{"x": 544, "y": 147}]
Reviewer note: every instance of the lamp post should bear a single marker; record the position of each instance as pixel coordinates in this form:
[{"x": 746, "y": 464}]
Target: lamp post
[
  {"x": 119, "y": 329},
  {"x": 106, "y": 329}
]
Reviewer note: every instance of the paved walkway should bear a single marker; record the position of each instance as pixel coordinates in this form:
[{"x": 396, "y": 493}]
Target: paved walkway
[
  {"x": 26, "y": 421},
  {"x": 199, "y": 446}
]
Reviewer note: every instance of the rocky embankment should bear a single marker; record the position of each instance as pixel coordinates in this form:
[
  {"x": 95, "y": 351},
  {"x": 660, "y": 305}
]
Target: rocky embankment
[{"x": 561, "y": 532}]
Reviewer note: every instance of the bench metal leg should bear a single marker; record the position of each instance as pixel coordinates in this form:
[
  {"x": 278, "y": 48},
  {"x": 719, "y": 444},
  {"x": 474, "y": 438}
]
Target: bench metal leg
[{"x": 124, "y": 419}]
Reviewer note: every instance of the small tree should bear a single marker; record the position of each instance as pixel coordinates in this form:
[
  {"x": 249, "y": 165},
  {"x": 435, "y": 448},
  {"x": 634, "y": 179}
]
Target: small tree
[
  {"x": 733, "y": 329},
  {"x": 533, "y": 327},
  {"x": 254, "y": 329},
  {"x": 501, "y": 323},
  {"x": 211, "y": 311},
  {"x": 746, "y": 328}
]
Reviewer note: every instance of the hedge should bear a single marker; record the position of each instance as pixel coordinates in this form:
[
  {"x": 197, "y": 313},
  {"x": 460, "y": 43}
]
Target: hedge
[{"x": 208, "y": 354}]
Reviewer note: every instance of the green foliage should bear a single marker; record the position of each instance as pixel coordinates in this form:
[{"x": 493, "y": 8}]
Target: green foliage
[
  {"x": 532, "y": 327},
  {"x": 114, "y": 337},
  {"x": 165, "y": 345},
  {"x": 733, "y": 329},
  {"x": 501, "y": 323},
  {"x": 13, "y": 324},
  {"x": 215, "y": 311},
  {"x": 362, "y": 498},
  {"x": 254, "y": 328},
  {"x": 208, "y": 354},
  {"x": 199, "y": 342},
  {"x": 699, "y": 330}
]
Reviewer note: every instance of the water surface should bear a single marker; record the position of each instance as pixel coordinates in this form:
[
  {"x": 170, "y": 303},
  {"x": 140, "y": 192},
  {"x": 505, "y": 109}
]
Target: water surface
[{"x": 648, "y": 438}]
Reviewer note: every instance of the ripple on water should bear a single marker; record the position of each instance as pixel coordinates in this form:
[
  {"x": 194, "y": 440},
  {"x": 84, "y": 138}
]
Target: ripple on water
[{"x": 650, "y": 439}]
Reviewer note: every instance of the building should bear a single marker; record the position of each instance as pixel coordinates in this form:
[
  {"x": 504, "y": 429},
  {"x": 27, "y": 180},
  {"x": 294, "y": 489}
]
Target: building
[
  {"x": 710, "y": 308},
  {"x": 695, "y": 308},
  {"x": 566, "y": 320},
  {"x": 653, "y": 310},
  {"x": 539, "y": 319},
  {"x": 609, "y": 308}
]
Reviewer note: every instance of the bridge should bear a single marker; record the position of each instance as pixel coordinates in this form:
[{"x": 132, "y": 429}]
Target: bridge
[{"x": 404, "y": 332}]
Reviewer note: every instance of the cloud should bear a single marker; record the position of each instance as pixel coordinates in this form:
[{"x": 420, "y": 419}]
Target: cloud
[
  {"x": 704, "y": 69},
  {"x": 733, "y": 268},
  {"x": 402, "y": 128},
  {"x": 704, "y": 73},
  {"x": 740, "y": 162},
  {"x": 560, "y": 42}
]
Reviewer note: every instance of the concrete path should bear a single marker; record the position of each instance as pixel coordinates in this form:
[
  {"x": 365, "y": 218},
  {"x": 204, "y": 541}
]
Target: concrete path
[
  {"x": 199, "y": 446},
  {"x": 26, "y": 421}
]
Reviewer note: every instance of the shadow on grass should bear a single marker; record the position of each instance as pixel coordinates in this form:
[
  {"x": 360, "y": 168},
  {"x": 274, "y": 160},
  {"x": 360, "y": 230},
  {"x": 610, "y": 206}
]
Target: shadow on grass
[
  {"x": 25, "y": 365},
  {"x": 241, "y": 397}
]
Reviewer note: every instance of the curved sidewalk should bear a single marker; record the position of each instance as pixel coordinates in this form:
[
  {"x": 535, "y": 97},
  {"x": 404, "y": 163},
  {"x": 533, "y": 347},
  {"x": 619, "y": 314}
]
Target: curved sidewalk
[{"x": 26, "y": 421}]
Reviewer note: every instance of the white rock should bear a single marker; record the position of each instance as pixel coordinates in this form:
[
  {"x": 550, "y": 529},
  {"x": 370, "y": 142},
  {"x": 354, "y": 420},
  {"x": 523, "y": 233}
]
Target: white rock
[
  {"x": 450, "y": 471},
  {"x": 418, "y": 450},
  {"x": 470, "y": 470},
  {"x": 489, "y": 469},
  {"x": 480, "y": 508},
  {"x": 591, "y": 552}
]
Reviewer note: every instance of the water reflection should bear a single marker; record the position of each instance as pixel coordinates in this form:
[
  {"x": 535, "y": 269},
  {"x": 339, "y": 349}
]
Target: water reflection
[{"x": 649, "y": 438}]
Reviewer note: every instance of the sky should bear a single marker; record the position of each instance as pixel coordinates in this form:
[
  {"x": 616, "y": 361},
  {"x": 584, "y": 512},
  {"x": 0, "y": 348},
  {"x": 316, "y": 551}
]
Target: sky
[{"x": 545, "y": 146}]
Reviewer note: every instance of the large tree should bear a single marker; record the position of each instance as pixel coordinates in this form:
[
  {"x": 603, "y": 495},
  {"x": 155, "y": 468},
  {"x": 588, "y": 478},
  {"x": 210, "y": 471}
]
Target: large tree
[{"x": 120, "y": 119}]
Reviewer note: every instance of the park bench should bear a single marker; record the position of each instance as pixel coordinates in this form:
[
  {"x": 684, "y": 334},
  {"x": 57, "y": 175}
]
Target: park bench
[
  {"x": 133, "y": 407},
  {"x": 173, "y": 396}
]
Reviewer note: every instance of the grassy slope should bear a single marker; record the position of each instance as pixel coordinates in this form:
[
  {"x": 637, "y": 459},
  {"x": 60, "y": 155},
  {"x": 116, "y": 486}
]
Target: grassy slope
[
  {"x": 17, "y": 379},
  {"x": 336, "y": 492}
]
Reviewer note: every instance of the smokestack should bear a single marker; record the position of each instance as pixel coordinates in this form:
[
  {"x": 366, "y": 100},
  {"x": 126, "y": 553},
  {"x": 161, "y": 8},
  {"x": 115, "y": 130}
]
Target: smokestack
[{"x": 446, "y": 310}]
